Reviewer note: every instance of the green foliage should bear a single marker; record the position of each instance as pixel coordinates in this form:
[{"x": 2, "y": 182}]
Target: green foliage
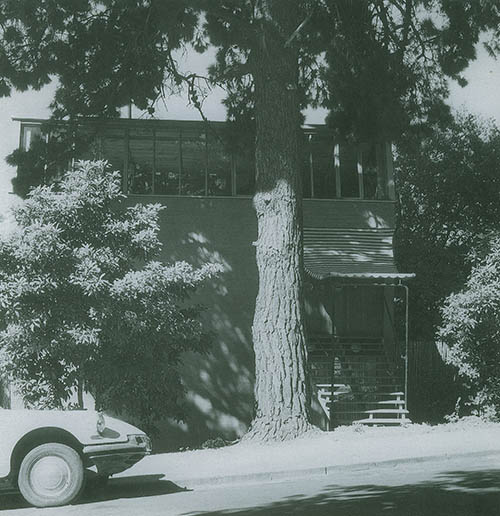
[
  {"x": 49, "y": 156},
  {"x": 217, "y": 442},
  {"x": 105, "y": 53},
  {"x": 471, "y": 329},
  {"x": 373, "y": 63},
  {"x": 378, "y": 84},
  {"x": 449, "y": 200},
  {"x": 82, "y": 302},
  {"x": 380, "y": 68}
]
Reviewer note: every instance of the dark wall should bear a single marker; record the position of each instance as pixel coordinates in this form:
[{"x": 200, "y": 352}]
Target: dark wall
[{"x": 198, "y": 230}]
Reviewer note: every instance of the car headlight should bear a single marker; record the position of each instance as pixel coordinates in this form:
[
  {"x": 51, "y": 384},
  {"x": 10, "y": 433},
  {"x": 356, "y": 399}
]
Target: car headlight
[
  {"x": 141, "y": 441},
  {"x": 101, "y": 423}
]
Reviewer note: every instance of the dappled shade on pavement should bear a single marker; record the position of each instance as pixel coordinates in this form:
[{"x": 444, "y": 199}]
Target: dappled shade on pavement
[
  {"x": 456, "y": 493},
  {"x": 418, "y": 489}
]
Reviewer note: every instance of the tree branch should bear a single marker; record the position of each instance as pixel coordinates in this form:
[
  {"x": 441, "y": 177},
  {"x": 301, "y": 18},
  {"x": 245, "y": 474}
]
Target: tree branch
[{"x": 297, "y": 31}]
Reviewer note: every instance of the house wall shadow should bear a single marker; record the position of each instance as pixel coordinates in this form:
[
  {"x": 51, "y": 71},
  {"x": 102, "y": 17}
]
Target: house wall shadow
[{"x": 219, "y": 384}]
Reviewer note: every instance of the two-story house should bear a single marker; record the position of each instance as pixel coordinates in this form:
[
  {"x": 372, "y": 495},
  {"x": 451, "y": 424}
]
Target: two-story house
[{"x": 355, "y": 297}]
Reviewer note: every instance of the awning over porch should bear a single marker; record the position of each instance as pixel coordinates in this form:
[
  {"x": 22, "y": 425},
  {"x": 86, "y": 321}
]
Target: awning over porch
[{"x": 350, "y": 253}]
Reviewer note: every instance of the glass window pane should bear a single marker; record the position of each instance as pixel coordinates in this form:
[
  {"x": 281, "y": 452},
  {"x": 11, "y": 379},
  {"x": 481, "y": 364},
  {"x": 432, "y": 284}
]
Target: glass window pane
[
  {"x": 349, "y": 171},
  {"x": 245, "y": 170},
  {"x": 369, "y": 161},
  {"x": 167, "y": 162},
  {"x": 305, "y": 164},
  {"x": 193, "y": 166},
  {"x": 219, "y": 168},
  {"x": 113, "y": 150},
  {"x": 382, "y": 186},
  {"x": 30, "y": 133},
  {"x": 140, "y": 161},
  {"x": 322, "y": 149}
]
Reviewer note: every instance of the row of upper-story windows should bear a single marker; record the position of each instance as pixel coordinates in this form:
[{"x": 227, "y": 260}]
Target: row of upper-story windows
[{"x": 189, "y": 159}]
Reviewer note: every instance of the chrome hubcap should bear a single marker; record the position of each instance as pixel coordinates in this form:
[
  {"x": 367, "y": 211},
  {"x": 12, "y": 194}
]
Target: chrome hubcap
[{"x": 50, "y": 476}]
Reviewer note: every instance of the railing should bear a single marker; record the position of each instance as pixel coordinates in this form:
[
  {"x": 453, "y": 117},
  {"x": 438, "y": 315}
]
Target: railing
[{"x": 358, "y": 370}]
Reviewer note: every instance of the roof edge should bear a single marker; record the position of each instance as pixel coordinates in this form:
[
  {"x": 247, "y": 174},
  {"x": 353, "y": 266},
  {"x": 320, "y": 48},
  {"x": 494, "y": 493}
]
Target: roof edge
[{"x": 362, "y": 275}]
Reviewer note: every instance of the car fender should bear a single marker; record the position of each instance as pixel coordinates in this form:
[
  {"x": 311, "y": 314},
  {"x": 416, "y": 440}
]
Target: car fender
[{"x": 79, "y": 427}]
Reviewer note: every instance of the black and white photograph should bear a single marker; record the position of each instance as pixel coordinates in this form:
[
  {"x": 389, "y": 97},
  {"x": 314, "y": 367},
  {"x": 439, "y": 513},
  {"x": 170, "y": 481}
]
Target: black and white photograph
[{"x": 249, "y": 257}]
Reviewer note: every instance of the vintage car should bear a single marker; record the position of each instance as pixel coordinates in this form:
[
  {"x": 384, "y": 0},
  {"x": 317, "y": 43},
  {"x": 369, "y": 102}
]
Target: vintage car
[{"x": 45, "y": 453}]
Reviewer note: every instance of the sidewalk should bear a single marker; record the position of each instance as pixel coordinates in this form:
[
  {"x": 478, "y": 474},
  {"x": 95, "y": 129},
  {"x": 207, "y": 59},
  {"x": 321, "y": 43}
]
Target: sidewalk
[{"x": 346, "y": 448}]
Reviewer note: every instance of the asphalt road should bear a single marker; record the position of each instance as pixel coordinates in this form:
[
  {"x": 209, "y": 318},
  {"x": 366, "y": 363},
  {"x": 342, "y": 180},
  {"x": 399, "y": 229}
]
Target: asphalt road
[{"x": 458, "y": 487}]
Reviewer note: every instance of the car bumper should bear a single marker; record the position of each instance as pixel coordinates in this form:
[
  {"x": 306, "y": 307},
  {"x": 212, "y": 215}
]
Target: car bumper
[{"x": 113, "y": 458}]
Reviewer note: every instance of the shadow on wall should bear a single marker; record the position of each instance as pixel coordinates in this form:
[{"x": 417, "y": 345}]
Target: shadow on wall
[
  {"x": 433, "y": 386},
  {"x": 219, "y": 401}
]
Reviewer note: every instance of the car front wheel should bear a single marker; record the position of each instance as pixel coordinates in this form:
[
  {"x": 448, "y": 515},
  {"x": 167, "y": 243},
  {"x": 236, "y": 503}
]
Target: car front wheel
[{"x": 51, "y": 475}]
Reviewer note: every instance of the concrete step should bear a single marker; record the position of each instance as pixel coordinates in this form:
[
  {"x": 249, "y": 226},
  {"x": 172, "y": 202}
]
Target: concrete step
[
  {"x": 387, "y": 411},
  {"x": 383, "y": 421}
]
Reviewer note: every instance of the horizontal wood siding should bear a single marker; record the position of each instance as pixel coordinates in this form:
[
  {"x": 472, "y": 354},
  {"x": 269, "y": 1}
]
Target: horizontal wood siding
[{"x": 348, "y": 214}]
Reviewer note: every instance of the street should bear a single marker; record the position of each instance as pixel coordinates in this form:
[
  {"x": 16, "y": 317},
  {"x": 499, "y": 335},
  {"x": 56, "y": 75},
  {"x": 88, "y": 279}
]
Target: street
[{"x": 468, "y": 487}]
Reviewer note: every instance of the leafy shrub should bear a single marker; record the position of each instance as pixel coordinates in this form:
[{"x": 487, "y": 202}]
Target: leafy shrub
[
  {"x": 471, "y": 329},
  {"x": 217, "y": 442},
  {"x": 84, "y": 305}
]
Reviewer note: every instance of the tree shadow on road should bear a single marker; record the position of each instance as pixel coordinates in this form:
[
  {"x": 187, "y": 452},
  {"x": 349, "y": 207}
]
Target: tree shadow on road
[
  {"x": 457, "y": 493},
  {"x": 117, "y": 488},
  {"x": 131, "y": 487}
]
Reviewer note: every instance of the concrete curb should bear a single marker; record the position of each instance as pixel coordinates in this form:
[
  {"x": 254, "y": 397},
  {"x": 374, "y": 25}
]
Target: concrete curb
[{"x": 275, "y": 476}]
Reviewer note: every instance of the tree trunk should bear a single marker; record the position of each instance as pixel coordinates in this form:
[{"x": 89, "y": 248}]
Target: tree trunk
[{"x": 281, "y": 389}]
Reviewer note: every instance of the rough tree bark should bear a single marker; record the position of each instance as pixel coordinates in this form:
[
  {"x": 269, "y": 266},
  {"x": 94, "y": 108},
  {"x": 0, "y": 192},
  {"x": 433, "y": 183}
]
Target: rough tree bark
[{"x": 281, "y": 389}]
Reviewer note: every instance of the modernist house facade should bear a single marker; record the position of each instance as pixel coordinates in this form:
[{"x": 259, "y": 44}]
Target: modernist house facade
[{"x": 354, "y": 292}]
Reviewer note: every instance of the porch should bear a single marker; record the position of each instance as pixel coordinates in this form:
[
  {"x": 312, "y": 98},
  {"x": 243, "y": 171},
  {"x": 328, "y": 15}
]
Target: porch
[
  {"x": 357, "y": 327},
  {"x": 367, "y": 388}
]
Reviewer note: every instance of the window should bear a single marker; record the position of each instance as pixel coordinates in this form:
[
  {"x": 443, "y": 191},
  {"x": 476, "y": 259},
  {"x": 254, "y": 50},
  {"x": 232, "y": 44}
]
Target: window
[
  {"x": 113, "y": 148},
  {"x": 29, "y": 133},
  {"x": 244, "y": 158},
  {"x": 172, "y": 161},
  {"x": 219, "y": 167},
  {"x": 341, "y": 170},
  {"x": 349, "y": 170},
  {"x": 194, "y": 166},
  {"x": 192, "y": 159},
  {"x": 370, "y": 171},
  {"x": 167, "y": 162},
  {"x": 140, "y": 161},
  {"x": 322, "y": 161}
]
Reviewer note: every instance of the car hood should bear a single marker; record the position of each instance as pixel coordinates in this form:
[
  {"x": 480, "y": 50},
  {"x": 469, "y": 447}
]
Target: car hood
[{"x": 80, "y": 423}]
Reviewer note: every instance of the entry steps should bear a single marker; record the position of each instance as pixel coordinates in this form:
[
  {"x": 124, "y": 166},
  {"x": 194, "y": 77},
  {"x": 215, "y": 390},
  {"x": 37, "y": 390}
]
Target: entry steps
[
  {"x": 392, "y": 413},
  {"x": 388, "y": 412}
]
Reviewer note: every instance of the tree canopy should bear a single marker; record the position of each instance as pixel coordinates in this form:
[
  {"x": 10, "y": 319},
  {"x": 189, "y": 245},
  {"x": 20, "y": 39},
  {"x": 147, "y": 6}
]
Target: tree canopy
[
  {"x": 375, "y": 64},
  {"x": 84, "y": 305},
  {"x": 448, "y": 203},
  {"x": 378, "y": 65}
]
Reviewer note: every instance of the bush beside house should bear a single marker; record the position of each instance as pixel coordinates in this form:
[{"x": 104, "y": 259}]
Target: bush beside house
[{"x": 84, "y": 306}]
